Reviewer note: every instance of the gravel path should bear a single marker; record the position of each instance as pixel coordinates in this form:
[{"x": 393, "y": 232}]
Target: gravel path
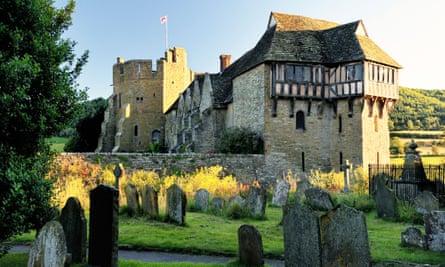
[{"x": 153, "y": 256}]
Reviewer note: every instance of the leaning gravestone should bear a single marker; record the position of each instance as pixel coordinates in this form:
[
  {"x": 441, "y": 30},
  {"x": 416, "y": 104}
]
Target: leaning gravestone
[
  {"x": 176, "y": 204},
  {"x": 150, "y": 205},
  {"x": 426, "y": 202},
  {"x": 318, "y": 199},
  {"x": 385, "y": 199},
  {"x": 202, "y": 200},
  {"x": 302, "y": 186},
  {"x": 250, "y": 246},
  {"x": 412, "y": 237},
  {"x": 217, "y": 204},
  {"x": 132, "y": 195},
  {"x": 104, "y": 226},
  {"x": 49, "y": 249},
  {"x": 74, "y": 225},
  {"x": 337, "y": 237},
  {"x": 435, "y": 230},
  {"x": 256, "y": 202},
  {"x": 344, "y": 238},
  {"x": 281, "y": 192}
]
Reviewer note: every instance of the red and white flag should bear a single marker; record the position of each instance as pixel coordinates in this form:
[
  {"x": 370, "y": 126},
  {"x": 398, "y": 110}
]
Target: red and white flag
[{"x": 163, "y": 19}]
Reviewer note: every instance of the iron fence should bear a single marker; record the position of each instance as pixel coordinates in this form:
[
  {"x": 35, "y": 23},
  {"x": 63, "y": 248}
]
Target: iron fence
[{"x": 408, "y": 182}]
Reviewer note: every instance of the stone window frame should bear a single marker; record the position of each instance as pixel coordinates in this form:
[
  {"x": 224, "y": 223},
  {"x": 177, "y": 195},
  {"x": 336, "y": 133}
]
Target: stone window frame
[{"x": 300, "y": 123}]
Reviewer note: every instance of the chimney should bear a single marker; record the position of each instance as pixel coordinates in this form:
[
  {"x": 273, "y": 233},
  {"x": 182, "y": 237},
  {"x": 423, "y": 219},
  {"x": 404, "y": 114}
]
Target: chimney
[
  {"x": 224, "y": 62},
  {"x": 120, "y": 60}
]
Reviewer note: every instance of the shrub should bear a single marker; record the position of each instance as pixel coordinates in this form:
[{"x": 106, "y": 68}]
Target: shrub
[
  {"x": 235, "y": 212},
  {"x": 240, "y": 141},
  {"x": 331, "y": 181},
  {"x": 357, "y": 201},
  {"x": 408, "y": 214}
]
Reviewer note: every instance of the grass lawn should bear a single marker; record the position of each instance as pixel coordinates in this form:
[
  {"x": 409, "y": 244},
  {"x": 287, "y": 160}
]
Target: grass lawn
[
  {"x": 426, "y": 159},
  {"x": 20, "y": 260},
  {"x": 208, "y": 234},
  {"x": 57, "y": 143}
]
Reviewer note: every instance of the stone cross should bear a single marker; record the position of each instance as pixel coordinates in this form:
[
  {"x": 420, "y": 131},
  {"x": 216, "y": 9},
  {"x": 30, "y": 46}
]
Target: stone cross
[
  {"x": 118, "y": 171},
  {"x": 346, "y": 169}
]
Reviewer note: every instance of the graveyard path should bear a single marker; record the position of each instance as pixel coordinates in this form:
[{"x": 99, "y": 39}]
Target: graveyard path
[{"x": 154, "y": 256}]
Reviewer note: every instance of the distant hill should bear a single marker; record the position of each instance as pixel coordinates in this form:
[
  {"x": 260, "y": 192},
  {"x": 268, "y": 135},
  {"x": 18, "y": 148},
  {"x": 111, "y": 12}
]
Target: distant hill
[{"x": 419, "y": 109}]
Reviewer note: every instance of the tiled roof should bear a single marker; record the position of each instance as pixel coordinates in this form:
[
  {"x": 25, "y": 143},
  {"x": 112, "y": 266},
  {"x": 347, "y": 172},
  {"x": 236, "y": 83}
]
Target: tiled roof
[{"x": 288, "y": 22}]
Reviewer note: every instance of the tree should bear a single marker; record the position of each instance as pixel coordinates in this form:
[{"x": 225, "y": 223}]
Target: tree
[
  {"x": 240, "y": 141},
  {"x": 38, "y": 97},
  {"x": 88, "y": 127}
]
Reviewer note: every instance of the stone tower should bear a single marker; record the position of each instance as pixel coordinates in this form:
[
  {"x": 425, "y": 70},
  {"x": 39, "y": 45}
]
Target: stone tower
[{"x": 134, "y": 117}]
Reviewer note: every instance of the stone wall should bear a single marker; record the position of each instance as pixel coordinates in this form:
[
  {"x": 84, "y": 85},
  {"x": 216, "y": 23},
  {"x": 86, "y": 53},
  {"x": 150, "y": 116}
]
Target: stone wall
[{"x": 243, "y": 167}]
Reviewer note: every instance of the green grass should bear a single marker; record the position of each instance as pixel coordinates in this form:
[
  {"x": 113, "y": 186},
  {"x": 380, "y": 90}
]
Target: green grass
[
  {"x": 57, "y": 143},
  {"x": 426, "y": 159},
  {"x": 208, "y": 234},
  {"x": 20, "y": 260}
]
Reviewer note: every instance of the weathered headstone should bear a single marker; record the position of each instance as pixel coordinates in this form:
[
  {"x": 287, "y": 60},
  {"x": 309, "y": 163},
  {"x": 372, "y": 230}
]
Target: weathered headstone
[
  {"x": 104, "y": 225},
  {"x": 118, "y": 173},
  {"x": 426, "y": 202},
  {"x": 250, "y": 246},
  {"x": 150, "y": 204},
  {"x": 412, "y": 237},
  {"x": 344, "y": 238},
  {"x": 74, "y": 226},
  {"x": 302, "y": 186},
  {"x": 318, "y": 199},
  {"x": 237, "y": 200},
  {"x": 281, "y": 193},
  {"x": 49, "y": 249},
  {"x": 132, "y": 195},
  {"x": 301, "y": 236},
  {"x": 176, "y": 204},
  {"x": 217, "y": 204},
  {"x": 435, "y": 230},
  {"x": 256, "y": 202},
  {"x": 202, "y": 200},
  {"x": 385, "y": 199}
]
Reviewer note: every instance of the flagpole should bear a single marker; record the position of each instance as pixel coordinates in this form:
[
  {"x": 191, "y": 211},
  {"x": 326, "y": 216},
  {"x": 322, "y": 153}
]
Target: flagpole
[{"x": 166, "y": 35}]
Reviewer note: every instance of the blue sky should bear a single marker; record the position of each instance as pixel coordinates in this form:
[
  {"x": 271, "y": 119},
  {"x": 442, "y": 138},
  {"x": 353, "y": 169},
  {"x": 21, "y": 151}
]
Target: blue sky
[{"x": 410, "y": 31}]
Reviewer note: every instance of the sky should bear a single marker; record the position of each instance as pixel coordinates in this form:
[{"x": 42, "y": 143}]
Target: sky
[{"x": 412, "y": 32}]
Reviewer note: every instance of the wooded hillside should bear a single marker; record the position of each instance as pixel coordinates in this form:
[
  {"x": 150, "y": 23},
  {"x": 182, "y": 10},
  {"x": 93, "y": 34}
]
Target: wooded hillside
[{"x": 419, "y": 109}]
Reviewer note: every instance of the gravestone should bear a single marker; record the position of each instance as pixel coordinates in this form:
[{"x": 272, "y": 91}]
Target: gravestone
[
  {"x": 176, "y": 204},
  {"x": 435, "y": 230},
  {"x": 104, "y": 225},
  {"x": 150, "y": 205},
  {"x": 49, "y": 249},
  {"x": 237, "y": 200},
  {"x": 318, "y": 199},
  {"x": 301, "y": 236},
  {"x": 281, "y": 192},
  {"x": 118, "y": 173},
  {"x": 412, "y": 237},
  {"x": 344, "y": 238},
  {"x": 426, "y": 202},
  {"x": 302, "y": 186},
  {"x": 250, "y": 246},
  {"x": 132, "y": 195},
  {"x": 385, "y": 199},
  {"x": 337, "y": 237},
  {"x": 217, "y": 204},
  {"x": 256, "y": 202},
  {"x": 202, "y": 200},
  {"x": 74, "y": 226}
]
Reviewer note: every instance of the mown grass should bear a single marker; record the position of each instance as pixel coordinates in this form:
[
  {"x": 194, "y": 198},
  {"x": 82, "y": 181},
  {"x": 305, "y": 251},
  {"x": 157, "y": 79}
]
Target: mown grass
[
  {"x": 57, "y": 143},
  {"x": 426, "y": 159},
  {"x": 208, "y": 234},
  {"x": 20, "y": 260}
]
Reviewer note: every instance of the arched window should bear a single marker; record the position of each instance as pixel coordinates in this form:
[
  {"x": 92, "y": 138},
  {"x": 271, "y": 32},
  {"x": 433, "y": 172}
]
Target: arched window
[
  {"x": 299, "y": 119},
  {"x": 136, "y": 130},
  {"x": 156, "y": 136}
]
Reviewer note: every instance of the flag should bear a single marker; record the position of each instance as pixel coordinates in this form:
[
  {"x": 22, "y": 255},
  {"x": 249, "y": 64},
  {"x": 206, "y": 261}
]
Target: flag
[{"x": 163, "y": 19}]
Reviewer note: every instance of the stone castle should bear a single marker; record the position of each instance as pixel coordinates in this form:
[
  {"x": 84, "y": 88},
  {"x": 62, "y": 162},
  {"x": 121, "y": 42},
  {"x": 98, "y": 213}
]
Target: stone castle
[{"x": 318, "y": 93}]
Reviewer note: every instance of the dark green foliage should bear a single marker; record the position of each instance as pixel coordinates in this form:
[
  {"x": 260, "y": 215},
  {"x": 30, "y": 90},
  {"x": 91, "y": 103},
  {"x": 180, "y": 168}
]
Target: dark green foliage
[
  {"x": 397, "y": 146},
  {"x": 240, "y": 141},
  {"x": 38, "y": 98},
  {"x": 360, "y": 202},
  {"x": 235, "y": 212},
  {"x": 88, "y": 127},
  {"x": 408, "y": 213},
  {"x": 419, "y": 109}
]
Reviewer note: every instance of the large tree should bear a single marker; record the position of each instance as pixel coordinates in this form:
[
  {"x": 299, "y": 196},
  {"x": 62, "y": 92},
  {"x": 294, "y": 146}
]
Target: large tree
[{"x": 38, "y": 96}]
